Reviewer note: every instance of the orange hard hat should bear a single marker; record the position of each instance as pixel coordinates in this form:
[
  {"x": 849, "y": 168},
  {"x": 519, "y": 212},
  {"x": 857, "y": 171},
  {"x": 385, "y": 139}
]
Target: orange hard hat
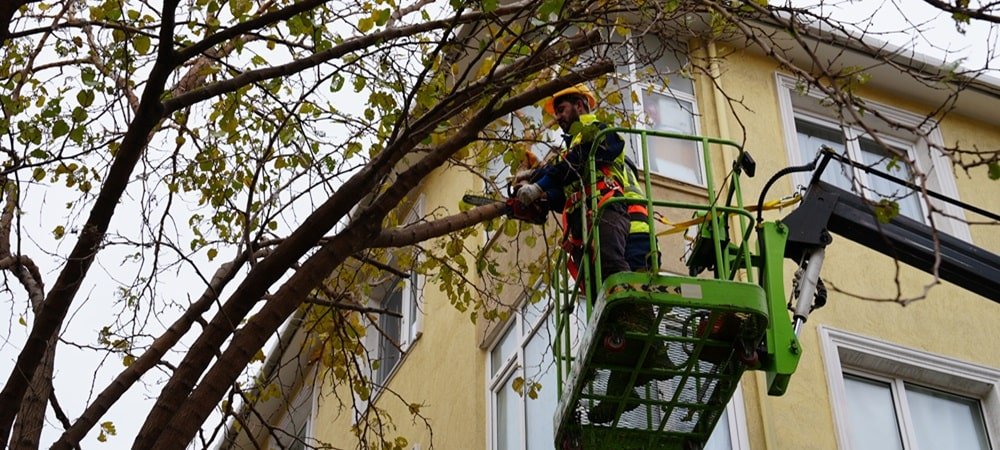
[{"x": 579, "y": 89}]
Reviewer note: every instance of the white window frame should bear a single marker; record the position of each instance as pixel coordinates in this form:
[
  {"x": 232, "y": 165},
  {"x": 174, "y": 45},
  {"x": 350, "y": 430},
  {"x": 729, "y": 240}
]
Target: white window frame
[
  {"x": 509, "y": 367},
  {"x": 411, "y": 309},
  {"x": 870, "y": 357},
  {"x": 939, "y": 174},
  {"x": 636, "y": 91},
  {"x": 860, "y": 180}
]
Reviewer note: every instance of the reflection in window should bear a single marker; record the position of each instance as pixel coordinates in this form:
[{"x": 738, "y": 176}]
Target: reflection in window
[
  {"x": 675, "y": 158},
  {"x": 813, "y": 135},
  {"x": 873, "y": 419},
  {"x": 878, "y": 158},
  {"x": 936, "y": 419},
  {"x": 391, "y": 326}
]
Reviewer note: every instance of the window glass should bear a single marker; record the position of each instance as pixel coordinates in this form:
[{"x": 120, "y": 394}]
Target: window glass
[
  {"x": 721, "y": 438},
  {"x": 942, "y": 420},
  {"x": 503, "y": 351},
  {"x": 391, "y": 332},
  {"x": 878, "y": 158},
  {"x": 812, "y": 137},
  {"x": 872, "y": 415},
  {"x": 539, "y": 367},
  {"x": 675, "y": 158},
  {"x": 507, "y": 412},
  {"x": 667, "y": 63}
]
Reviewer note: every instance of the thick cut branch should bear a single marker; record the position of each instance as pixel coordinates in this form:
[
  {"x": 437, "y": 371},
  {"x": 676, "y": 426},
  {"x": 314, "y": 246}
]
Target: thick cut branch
[{"x": 409, "y": 235}]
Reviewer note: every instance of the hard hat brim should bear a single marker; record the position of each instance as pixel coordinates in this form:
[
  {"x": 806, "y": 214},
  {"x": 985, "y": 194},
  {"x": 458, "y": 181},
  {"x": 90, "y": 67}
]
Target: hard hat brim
[{"x": 579, "y": 89}]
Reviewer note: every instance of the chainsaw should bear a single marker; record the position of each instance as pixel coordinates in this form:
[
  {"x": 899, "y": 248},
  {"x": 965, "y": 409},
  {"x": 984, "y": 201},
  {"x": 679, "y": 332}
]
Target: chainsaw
[{"x": 536, "y": 213}]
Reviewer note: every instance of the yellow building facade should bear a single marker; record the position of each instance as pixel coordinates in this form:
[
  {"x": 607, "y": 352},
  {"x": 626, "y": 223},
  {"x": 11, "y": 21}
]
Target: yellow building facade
[{"x": 864, "y": 359}]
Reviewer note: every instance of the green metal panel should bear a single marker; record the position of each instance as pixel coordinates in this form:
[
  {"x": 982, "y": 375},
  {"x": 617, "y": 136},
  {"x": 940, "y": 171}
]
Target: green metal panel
[
  {"x": 783, "y": 349},
  {"x": 684, "y": 394},
  {"x": 661, "y": 355}
]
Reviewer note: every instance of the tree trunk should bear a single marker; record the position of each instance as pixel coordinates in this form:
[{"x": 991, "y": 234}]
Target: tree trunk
[{"x": 31, "y": 417}]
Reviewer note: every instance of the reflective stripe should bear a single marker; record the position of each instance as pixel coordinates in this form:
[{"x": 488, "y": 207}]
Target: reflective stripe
[{"x": 617, "y": 179}]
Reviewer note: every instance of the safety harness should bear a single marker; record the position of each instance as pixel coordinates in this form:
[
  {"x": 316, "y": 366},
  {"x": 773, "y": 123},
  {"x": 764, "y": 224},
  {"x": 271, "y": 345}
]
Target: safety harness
[{"x": 617, "y": 181}]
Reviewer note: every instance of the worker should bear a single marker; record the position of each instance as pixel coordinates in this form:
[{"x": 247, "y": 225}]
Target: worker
[{"x": 623, "y": 227}]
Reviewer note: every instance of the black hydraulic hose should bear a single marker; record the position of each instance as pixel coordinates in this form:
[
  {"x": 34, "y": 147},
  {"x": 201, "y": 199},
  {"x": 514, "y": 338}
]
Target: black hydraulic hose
[{"x": 787, "y": 170}]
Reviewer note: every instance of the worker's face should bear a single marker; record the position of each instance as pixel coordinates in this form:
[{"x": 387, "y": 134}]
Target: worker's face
[{"x": 568, "y": 111}]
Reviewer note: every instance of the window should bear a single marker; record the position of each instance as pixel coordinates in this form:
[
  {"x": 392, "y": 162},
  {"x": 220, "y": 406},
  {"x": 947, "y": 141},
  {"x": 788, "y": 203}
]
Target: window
[
  {"x": 524, "y": 352},
  {"x": 401, "y": 323},
  {"x": 397, "y": 328},
  {"x": 295, "y": 427},
  {"x": 808, "y": 124},
  {"x": 664, "y": 101},
  {"x": 814, "y": 133},
  {"x": 523, "y": 355},
  {"x": 890, "y": 397}
]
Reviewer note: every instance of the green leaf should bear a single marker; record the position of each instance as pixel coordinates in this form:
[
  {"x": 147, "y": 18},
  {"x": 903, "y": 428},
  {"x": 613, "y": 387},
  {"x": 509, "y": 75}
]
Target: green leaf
[
  {"x": 88, "y": 76},
  {"x": 240, "y": 7},
  {"x": 893, "y": 165},
  {"x": 79, "y": 114},
  {"x": 549, "y": 7},
  {"x": 60, "y": 128},
  {"x": 994, "y": 170},
  {"x": 141, "y": 44},
  {"x": 59, "y": 232},
  {"x": 518, "y": 385},
  {"x": 212, "y": 253},
  {"x": 38, "y": 174},
  {"x": 76, "y": 134},
  {"x": 886, "y": 210},
  {"x": 490, "y": 5},
  {"x": 39, "y": 154},
  {"x": 85, "y": 97},
  {"x": 336, "y": 82},
  {"x": 381, "y": 16},
  {"x": 107, "y": 429},
  {"x": 128, "y": 360}
]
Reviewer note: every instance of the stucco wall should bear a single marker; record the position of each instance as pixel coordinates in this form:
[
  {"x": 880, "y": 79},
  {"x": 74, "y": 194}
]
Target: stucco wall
[
  {"x": 950, "y": 321},
  {"x": 443, "y": 370}
]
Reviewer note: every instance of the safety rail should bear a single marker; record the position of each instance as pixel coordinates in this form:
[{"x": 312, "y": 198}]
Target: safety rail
[
  {"x": 566, "y": 292},
  {"x": 712, "y": 364}
]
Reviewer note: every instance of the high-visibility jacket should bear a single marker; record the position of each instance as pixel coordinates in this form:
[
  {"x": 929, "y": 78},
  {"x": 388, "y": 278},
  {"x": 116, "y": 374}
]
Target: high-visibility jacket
[{"x": 615, "y": 178}]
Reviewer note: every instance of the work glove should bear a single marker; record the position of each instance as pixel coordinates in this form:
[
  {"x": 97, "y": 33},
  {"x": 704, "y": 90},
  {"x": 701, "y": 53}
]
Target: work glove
[{"x": 529, "y": 193}]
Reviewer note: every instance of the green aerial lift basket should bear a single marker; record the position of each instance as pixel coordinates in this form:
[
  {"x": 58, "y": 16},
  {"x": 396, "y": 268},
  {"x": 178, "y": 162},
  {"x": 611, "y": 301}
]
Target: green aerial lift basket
[
  {"x": 701, "y": 336},
  {"x": 660, "y": 356}
]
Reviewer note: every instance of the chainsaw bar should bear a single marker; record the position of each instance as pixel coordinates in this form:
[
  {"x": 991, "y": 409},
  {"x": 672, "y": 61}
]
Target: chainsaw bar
[{"x": 479, "y": 200}]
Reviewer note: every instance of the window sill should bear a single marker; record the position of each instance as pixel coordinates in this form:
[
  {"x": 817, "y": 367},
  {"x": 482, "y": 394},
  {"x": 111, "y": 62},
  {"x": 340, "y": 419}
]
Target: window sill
[{"x": 661, "y": 181}]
